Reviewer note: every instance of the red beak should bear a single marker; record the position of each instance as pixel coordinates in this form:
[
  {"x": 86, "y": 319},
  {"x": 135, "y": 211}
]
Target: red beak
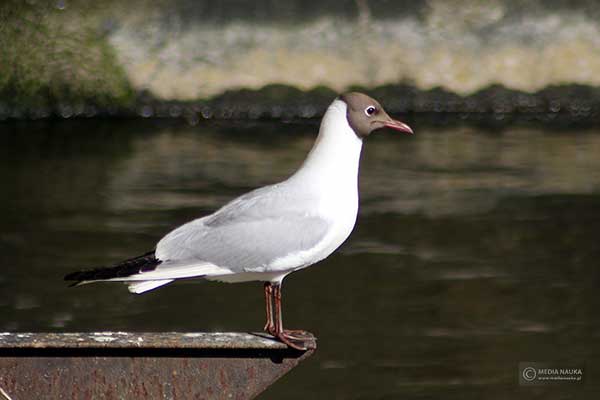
[{"x": 398, "y": 126}]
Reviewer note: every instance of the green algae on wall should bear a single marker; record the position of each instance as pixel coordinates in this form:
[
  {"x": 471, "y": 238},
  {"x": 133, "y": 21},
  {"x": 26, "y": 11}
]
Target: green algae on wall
[
  {"x": 234, "y": 58},
  {"x": 54, "y": 55}
]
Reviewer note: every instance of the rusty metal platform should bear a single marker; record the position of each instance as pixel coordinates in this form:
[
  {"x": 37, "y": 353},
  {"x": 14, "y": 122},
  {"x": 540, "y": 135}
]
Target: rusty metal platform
[{"x": 126, "y": 365}]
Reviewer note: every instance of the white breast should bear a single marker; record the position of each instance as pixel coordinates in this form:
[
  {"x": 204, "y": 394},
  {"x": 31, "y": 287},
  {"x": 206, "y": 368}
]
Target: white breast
[{"x": 330, "y": 173}]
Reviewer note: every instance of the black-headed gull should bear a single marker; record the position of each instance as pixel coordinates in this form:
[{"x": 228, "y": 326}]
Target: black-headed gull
[{"x": 272, "y": 231}]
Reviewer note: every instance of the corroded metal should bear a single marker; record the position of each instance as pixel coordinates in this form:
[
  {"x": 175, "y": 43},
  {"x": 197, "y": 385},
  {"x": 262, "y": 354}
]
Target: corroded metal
[{"x": 122, "y": 365}]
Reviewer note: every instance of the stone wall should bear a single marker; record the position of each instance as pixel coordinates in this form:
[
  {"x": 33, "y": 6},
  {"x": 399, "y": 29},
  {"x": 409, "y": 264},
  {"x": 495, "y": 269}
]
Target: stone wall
[{"x": 83, "y": 57}]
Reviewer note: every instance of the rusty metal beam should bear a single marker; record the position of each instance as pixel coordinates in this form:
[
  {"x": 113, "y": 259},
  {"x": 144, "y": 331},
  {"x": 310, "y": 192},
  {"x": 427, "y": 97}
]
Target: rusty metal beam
[{"x": 125, "y": 365}]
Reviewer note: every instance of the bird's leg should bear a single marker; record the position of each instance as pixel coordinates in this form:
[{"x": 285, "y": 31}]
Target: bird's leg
[
  {"x": 270, "y": 325},
  {"x": 294, "y": 339}
]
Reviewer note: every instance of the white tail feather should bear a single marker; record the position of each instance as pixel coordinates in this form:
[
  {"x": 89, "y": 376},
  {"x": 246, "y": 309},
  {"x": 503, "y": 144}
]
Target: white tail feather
[
  {"x": 166, "y": 273},
  {"x": 144, "y": 286},
  {"x": 182, "y": 269},
  {"x": 175, "y": 270}
]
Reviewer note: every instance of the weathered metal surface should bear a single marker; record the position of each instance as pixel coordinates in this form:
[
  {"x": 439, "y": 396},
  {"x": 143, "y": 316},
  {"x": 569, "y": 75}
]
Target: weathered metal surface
[
  {"x": 121, "y": 365},
  {"x": 160, "y": 340}
]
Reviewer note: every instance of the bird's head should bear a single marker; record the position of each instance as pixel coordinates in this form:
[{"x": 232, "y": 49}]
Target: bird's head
[{"x": 365, "y": 115}]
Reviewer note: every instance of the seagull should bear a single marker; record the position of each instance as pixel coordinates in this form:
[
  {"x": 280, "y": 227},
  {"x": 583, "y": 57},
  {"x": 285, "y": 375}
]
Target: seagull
[{"x": 270, "y": 232}]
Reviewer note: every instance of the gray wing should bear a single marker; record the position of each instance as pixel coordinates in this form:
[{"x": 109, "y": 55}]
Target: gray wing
[{"x": 248, "y": 233}]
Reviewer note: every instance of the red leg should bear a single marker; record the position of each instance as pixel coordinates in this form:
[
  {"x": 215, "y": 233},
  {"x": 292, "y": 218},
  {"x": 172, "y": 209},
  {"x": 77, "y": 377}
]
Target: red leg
[
  {"x": 270, "y": 325},
  {"x": 295, "y": 339}
]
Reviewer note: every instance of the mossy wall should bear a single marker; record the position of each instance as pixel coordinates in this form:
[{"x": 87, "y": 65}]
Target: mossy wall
[
  {"x": 81, "y": 57},
  {"x": 57, "y": 54}
]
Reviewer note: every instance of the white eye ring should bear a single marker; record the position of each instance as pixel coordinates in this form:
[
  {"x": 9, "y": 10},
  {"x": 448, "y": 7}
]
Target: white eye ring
[{"x": 370, "y": 111}]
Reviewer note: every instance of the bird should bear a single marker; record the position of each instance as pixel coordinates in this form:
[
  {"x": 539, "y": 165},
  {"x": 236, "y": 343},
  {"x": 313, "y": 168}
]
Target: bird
[{"x": 272, "y": 231}]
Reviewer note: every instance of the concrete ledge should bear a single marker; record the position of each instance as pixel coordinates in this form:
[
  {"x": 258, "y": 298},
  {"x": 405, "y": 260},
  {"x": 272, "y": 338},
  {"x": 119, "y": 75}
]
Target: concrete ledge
[
  {"x": 151, "y": 340},
  {"x": 126, "y": 365}
]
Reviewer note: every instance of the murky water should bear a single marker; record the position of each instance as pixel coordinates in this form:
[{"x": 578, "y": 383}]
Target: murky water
[{"x": 473, "y": 250}]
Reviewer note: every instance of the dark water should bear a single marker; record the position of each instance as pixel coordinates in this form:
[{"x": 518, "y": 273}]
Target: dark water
[{"x": 474, "y": 251}]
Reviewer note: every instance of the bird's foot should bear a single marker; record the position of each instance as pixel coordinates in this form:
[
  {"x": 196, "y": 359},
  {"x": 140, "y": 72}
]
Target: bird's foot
[
  {"x": 297, "y": 339},
  {"x": 299, "y": 334},
  {"x": 270, "y": 328}
]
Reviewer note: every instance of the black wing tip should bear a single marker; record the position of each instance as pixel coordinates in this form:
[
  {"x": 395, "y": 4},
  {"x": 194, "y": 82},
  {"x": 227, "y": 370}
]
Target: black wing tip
[
  {"x": 132, "y": 266},
  {"x": 73, "y": 276}
]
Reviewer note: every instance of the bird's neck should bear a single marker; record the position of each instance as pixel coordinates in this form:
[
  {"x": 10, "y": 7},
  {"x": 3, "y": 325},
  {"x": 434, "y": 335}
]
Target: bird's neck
[{"x": 334, "y": 158}]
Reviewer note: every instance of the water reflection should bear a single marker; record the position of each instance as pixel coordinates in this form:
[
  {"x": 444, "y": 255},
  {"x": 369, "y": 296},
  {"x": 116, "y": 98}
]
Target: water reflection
[{"x": 473, "y": 250}]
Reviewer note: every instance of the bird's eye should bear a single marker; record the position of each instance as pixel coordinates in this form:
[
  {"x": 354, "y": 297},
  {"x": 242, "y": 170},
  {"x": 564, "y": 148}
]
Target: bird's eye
[{"x": 371, "y": 110}]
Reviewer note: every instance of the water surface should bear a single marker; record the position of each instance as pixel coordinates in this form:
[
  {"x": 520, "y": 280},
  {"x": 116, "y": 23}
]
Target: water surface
[{"x": 473, "y": 251}]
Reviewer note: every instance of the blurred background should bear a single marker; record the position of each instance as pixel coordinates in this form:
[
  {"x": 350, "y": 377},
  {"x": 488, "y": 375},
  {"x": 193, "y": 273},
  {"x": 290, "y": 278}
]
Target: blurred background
[
  {"x": 83, "y": 58},
  {"x": 477, "y": 243}
]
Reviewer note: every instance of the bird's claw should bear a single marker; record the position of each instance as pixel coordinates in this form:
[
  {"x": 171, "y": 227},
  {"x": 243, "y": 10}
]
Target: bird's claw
[
  {"x": 297, "y": 339},
  {"x": 270, "y": 329}
]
